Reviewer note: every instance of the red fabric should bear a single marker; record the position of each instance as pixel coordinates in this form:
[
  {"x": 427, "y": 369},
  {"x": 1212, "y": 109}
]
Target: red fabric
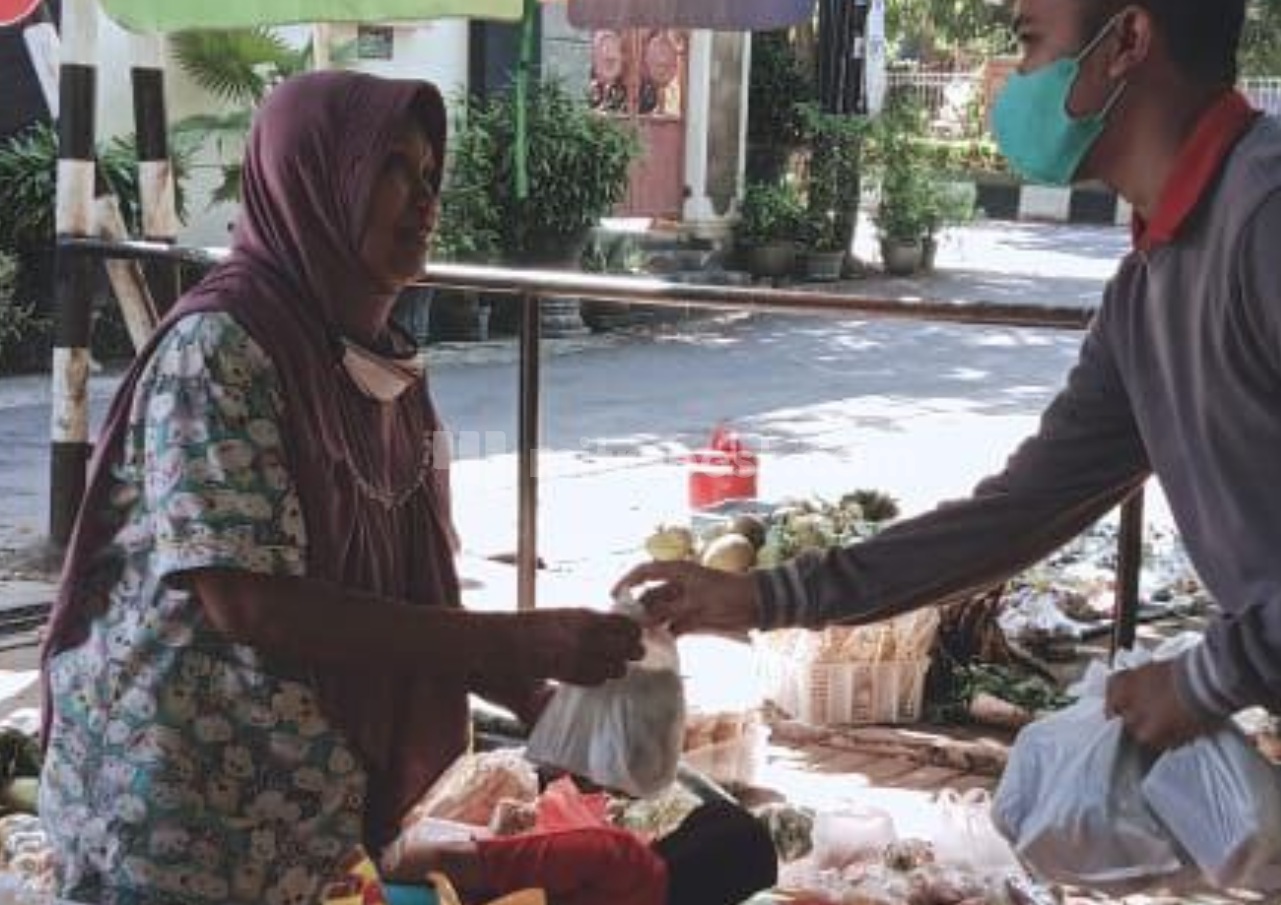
[
  {"x": 564, "y": 807},
  {"x": 1198, "y": 165},
  {"x": 596, "y": 866}
]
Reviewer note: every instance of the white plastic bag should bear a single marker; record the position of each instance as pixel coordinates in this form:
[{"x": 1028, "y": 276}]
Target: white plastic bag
[
  {"x": 1222, "y": 801},
  {"x": 851, "y": 834},
  {"x": 1071, "y": 802},
  {"x": 625, "y": 735},
  {"x": 966, "y": 837}
]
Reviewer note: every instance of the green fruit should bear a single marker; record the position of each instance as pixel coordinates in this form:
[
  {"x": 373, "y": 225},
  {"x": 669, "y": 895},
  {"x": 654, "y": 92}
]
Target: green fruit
[
  {"x": 670, "y": 544},
  {"x": 770, "y": 556}
]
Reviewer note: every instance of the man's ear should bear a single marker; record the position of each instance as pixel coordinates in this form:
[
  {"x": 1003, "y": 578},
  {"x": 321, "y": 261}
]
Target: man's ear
[{"x": 1136, "y": 40}]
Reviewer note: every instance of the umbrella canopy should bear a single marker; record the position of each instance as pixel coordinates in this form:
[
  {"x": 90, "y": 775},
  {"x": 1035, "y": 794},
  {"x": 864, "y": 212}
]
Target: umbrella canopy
[
  {"x": 177, "y": 15},
  {"x": 718, "y": 15}
]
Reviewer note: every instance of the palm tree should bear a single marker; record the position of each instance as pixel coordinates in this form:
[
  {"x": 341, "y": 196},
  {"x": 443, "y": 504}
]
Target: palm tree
[{"x": 237, "y": 67}]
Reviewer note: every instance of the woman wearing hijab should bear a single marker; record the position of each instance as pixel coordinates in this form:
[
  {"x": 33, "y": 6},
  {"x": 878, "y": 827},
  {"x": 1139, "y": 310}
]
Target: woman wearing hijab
[{"x": 258, "y": 660}]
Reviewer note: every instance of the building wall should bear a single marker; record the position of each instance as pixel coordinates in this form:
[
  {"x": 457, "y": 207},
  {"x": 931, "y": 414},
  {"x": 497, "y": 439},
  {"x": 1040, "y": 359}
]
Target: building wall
[
  {"x": 436, "y": 51},
  {"x": 567, "y": 51}
]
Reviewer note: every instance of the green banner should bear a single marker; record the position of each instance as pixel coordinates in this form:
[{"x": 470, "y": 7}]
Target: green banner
[{"x": 177, "y": 15}]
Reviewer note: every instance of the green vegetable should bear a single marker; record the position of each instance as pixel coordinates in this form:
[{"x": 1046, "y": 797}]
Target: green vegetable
[{"x": 1030, "y": 692}]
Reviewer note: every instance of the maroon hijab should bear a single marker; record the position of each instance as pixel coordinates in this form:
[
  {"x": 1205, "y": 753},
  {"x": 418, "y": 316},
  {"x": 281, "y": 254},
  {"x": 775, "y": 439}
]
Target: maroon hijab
[{"x": 375, "y": 505}]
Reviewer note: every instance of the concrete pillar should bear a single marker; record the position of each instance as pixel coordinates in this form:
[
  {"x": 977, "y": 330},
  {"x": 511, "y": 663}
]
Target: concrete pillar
[
  {"x": 744, "y": 108},
  {"x": 698, "y": 206}
]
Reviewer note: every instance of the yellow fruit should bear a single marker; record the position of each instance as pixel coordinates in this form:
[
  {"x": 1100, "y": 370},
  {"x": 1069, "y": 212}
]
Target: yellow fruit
[
  {"x": 670, "y": 544},
  {"x": 730, "y": 553}
]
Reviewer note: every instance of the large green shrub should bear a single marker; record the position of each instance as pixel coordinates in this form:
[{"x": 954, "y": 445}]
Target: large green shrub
[
  {"x": 25, "y": 335},
  {"x": 578, "y": 164},
  {"x": 771, "y": 212}
]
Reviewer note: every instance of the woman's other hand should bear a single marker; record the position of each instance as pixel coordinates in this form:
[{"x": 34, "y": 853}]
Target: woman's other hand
[
  {"x": 581, "y": 647},
  {"x": 692, "y": 598}
]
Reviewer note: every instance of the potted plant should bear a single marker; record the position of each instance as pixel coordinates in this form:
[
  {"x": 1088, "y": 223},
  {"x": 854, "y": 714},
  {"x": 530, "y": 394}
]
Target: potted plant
[
  {"x": 771, "y": 219},
  {"x": 610, "y": 253},
  {"x": 578, "y": 164},
  {"x": 907, "y": 206},
  {"x": 468, "y": 233},
  {"x": 832, "y": 189},
  {"x": 948, "y": 204},
  {"x": 826, "y": 245}
]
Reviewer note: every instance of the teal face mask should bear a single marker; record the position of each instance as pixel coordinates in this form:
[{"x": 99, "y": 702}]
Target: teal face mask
[{"x": 1035, "y": 131}]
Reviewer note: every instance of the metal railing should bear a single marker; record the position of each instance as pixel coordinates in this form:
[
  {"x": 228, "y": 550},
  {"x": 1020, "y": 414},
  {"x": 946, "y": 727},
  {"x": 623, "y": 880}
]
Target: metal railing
[{"x": 531, "y": 287}]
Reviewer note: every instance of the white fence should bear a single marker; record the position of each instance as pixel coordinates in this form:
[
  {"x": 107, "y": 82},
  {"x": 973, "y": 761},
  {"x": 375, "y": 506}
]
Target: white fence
[
  {"x": 1264, "y": 94},
  {"x": 954, "y": 99}
]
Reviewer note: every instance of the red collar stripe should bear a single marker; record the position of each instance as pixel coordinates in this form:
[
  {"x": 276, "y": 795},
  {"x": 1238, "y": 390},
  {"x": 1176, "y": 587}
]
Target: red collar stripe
[{"x": 1200, "y": 161}]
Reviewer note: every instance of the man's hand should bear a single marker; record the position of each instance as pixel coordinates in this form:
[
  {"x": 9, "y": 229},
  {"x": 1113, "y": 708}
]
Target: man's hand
[
  {"x": 576, "y": 646},
  {"x": 692, "y": 598},
  {"x": 1148, "y": 702}
]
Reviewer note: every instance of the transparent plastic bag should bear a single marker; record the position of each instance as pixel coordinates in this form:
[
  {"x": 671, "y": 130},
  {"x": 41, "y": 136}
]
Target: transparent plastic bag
[
  {"x": 1071, "y": 802},
  {"x": 966, "y": 837},
  {"x": 843, "y": 837},
  {"x": 625, "y": 735},
  {"x": 1222, "y": 802}
]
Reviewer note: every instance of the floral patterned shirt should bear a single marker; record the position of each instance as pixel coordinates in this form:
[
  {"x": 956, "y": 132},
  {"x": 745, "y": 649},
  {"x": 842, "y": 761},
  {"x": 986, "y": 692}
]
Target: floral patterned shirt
[{"x": 183, "y": 767}]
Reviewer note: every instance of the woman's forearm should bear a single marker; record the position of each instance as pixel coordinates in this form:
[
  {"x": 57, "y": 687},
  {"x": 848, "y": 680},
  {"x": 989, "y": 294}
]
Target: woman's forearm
[{"x": 324, "y": 625}]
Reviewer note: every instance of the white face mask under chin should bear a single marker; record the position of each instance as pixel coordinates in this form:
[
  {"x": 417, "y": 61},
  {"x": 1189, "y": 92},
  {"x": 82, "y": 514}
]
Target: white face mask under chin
[{"x": 380, "y": 377}]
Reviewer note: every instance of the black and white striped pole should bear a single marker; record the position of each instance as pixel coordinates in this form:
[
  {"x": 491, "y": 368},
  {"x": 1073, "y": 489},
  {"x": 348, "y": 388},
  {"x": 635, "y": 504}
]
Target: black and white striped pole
[
  {"x": 156, "y": 187},
  {"x": 127, "y": 280},
  {"x": 41, "y": 38},
  {"x": 69, "y": 427}
]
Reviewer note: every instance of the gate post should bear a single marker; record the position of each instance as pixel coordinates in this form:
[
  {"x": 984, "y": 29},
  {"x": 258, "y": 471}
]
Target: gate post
[{"x": 69, "y": 425}]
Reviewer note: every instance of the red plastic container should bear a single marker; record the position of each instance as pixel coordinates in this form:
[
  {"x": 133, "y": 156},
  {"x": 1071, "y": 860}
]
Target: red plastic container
[{"x": 725, "y": 470}]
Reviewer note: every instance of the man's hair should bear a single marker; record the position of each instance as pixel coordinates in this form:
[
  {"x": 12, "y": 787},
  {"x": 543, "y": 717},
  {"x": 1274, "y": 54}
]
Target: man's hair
[{"x": 1203, "y": 35}]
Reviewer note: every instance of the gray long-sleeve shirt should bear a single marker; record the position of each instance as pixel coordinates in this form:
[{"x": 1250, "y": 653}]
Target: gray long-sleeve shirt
[{"x": 1180, "y": 375}]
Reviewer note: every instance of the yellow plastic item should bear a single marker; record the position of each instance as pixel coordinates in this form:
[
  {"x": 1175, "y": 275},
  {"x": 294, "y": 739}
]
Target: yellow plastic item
[{"x": 448, "y": 895}]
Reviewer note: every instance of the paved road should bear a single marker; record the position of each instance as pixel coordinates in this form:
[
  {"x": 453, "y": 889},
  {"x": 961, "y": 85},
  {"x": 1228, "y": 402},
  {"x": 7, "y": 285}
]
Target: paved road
[{"x": 922, "y": 410}]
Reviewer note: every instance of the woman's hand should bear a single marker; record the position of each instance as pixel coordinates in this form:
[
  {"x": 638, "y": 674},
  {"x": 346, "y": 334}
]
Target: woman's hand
[
  {"x": 693, "y": 598},
  {"x": 581, "y": 647}
]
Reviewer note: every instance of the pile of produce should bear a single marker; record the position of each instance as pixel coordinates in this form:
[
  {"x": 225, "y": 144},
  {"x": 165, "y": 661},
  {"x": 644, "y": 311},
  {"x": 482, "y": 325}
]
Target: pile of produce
[
  {"x": 907, "y": 872},
  {"x": 998, "y": 695},
  {"x": 773, "y": 535}
]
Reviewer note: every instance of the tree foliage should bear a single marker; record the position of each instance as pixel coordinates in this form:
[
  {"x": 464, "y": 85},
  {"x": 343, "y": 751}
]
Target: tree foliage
[
  {"x": 1261, "y": 44},
  {"x": 954, "y": 31}
]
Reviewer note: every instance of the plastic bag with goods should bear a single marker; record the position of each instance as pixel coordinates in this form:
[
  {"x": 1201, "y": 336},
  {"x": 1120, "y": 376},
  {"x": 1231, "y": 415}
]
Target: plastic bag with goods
[
  {"x": 626, "y": 734},
  {"x": 1221, "y": 801},
  {"x": 851, "y": 834},
  {"x": 1071, "y": 802},
  {"x": 470, "y": 790},
  {"x": 966, "y": 837}
]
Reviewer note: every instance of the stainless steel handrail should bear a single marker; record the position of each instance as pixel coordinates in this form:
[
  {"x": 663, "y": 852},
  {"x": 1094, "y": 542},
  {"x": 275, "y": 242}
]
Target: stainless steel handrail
[{"x": 531, "y": 286}]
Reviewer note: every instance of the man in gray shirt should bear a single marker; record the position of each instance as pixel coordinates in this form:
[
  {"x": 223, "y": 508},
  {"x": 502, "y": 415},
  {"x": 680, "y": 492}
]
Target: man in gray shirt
[{"x": 1179, "y": 376}]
